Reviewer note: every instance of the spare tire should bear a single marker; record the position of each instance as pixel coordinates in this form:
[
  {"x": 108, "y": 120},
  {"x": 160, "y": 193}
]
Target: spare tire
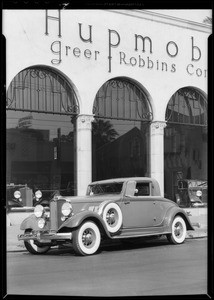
[{"x": 112, "y": 217}]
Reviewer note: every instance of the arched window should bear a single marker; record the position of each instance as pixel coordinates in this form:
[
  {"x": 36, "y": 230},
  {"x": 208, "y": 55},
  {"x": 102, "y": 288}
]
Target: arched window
[
  {"x": 40, "y": 136},
  {"x": 187, "y": 106},
  {"x": 121, "y": 130},
  {"x": 41, "y": 90},
  {"x": 121, "y": 99},
  {"x": 185, "y": 142}
]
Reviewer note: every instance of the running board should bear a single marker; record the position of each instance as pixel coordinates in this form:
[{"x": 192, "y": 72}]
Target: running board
[{"x": 125, "y": 235}]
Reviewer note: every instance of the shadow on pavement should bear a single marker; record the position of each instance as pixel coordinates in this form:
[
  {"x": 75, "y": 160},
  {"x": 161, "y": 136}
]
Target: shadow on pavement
[{"x": 112, "y": 246}]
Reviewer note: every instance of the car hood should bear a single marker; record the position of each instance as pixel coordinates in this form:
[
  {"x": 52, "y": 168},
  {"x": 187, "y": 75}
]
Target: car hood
[
  {"x": 91, "y": 199},
  {"x": 80, "y": 203}
]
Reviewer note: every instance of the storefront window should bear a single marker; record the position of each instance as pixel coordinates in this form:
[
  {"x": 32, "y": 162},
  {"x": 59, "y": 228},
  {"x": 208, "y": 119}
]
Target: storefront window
[
  {"x": 40, "y": 131},
  {"x": 185, "y": 149},
  {"x": 120, "y": 131}
]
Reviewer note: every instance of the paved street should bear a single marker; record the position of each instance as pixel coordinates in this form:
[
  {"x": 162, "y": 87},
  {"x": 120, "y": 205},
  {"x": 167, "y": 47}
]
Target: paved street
[{"x": 148, "y": 268}]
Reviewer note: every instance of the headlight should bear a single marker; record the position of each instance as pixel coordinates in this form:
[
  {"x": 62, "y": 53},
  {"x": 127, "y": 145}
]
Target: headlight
[
  {"x": 38, "y": 194},
  {"x": 17, "y": 194},
  {"x": 38, "y": 211},
  {"x": 41, "y": 223},
  {"x": 66, "y": 209},
  {"x": 199, "y": 193}
]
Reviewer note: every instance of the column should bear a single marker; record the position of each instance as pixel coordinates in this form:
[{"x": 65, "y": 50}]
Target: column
[
  {"x": 157, "y": 153},
  {"x": 83, "y": 152}
]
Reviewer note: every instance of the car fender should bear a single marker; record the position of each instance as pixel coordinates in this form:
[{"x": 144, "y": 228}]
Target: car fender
[
  {"x": 31, "y": 222},
  {"x": 170, "y": 215},
  {"x": 76, "y": 220}
]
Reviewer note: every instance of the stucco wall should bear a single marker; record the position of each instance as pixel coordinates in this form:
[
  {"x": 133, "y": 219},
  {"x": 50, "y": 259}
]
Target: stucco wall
[{"x": 179, "y": 45}]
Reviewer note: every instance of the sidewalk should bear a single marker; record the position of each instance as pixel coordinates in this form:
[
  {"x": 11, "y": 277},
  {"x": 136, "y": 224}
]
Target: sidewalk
[{"x": 11, "y": 237}]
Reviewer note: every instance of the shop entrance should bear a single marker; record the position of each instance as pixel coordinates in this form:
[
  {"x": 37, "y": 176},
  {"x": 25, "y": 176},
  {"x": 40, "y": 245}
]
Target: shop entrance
[
  {"x": 185, "y": 141},
  {"x": 41, "y": 106},
  {"x": 120, "y": 132}
]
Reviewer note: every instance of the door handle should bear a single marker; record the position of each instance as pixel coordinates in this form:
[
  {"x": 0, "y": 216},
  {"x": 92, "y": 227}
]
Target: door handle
[{"x": 126, "y": 202}]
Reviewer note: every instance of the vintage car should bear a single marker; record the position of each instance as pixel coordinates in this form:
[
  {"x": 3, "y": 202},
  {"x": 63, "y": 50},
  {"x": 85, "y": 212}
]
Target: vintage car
[
  {"x": 15, "y": 202},
  {"x": 13, "y": 196},
  {"x": 44, "y": 196},
  {"x": 191, "y": 193},
  {"x": 112, "y": 209}
]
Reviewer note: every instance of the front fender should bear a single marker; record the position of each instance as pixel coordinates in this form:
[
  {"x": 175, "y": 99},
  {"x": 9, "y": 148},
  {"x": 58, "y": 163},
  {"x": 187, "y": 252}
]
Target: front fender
[
  {"x": 172, "y": 212},
  {"x": 77, "y": 219},
  {"x": 31, "y": 222}
]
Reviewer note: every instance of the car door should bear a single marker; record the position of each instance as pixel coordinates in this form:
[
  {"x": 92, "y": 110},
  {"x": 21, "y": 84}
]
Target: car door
[{"x": 139, "y": 208}]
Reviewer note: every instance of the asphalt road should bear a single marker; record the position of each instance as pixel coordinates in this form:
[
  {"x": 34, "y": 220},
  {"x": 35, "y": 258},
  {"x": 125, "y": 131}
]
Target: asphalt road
[{"x": 148, "y": 268}]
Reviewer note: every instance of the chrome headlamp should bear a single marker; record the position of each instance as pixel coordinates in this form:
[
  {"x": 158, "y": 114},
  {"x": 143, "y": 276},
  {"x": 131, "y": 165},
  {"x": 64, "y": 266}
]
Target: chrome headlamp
[
  {"x": 38, "y": 194},
  {"x": 38, "y": 211},
  {"x": 17, "y": 194},
  {"x": 66, "y": 209},
  {"x": 41, "y": 223},
  {"x": 199, "y": 193}
]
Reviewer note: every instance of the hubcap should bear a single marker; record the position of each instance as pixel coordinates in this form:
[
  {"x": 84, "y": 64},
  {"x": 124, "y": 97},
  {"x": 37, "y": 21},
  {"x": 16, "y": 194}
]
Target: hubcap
[
  {"x": 88, "y": 237},
  {"x": 110, "y": 217},
  {"x": 178, "y": 229}
]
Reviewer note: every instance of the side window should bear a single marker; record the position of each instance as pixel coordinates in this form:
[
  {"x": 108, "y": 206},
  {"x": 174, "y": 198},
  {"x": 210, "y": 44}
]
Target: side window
[{"x": 142, "y": 189}]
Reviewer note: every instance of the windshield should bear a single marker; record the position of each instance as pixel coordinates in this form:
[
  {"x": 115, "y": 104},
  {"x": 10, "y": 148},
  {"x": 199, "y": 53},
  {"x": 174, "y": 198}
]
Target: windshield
[{"x": 105, "y": 188}]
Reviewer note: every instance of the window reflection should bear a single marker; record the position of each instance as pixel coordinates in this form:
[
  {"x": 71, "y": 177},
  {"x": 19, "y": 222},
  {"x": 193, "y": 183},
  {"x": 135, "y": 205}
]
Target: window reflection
[{"x": 40, "y": 150}]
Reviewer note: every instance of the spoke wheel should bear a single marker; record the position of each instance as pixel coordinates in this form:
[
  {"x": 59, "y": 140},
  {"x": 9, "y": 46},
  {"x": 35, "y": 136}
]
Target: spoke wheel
[
  {"x": 112, "y": 217},
  {"x": 33, "y": 248},
  {"x": 179, "y": 230},
  {"x": 86, "y": 239}
]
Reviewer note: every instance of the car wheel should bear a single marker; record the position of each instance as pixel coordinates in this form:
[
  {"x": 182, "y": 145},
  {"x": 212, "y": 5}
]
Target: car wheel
[
  {"x": 179, "y": 230},
  {"x": 112, "y": 217},
  {"x": 86, "y": 239},
  {"x": 33, "y": 248}
]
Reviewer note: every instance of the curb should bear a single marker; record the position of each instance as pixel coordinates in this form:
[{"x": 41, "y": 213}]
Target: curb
[{"x": 198, "y": 233}]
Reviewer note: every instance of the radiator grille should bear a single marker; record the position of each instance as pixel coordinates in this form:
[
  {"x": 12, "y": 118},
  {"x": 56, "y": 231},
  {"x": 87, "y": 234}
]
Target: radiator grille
[{"x": 55, "y": 213}]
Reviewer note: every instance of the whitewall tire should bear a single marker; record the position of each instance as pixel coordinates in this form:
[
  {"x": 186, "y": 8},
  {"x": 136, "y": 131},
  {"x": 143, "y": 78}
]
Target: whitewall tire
[
  {"x": 86, "y": 239},
  {"x": 179, "y": 231},
  {"x": 112, "y": 217}
]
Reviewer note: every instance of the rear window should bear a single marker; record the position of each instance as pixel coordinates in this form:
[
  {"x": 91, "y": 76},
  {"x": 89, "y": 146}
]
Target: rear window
[{"x": 142, "y": 189}]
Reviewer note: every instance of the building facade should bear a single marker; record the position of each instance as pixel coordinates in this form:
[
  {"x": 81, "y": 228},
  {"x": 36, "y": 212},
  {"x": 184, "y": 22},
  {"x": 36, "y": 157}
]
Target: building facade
[{"x": 96, "y": 94}]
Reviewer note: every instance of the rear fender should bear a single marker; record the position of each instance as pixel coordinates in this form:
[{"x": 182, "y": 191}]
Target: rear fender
[
  {"x": 174, "y": 211},
  {"x": 82, "y": 216}
]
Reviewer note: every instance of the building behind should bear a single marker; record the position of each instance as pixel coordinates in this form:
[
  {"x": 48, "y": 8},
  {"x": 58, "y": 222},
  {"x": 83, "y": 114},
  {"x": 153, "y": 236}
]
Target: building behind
[{"x": 94, "y": 94}]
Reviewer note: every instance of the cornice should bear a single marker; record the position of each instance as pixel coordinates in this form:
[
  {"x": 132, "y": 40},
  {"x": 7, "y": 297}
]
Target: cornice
[{"x": 164, "y": 19}]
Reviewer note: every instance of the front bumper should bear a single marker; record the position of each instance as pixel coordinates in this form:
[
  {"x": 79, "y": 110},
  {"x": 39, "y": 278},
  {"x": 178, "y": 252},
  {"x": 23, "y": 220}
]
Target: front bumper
[{"x": 44, "y": 237}]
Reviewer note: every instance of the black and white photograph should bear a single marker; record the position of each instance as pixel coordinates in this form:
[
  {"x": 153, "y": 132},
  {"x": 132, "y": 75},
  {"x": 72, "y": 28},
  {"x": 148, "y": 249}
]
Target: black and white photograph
[{"x": 105, "y": 164}]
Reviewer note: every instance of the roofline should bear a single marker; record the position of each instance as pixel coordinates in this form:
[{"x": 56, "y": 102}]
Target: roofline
[
  {"x": 164, "y": 19},
  {"x": 123, "y": 179}
]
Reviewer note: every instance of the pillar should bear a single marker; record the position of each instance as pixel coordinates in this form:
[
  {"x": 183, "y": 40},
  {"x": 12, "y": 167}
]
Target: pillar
[
  {"x": 83, "y": 153},
  {"x": 157, "y": 153}
]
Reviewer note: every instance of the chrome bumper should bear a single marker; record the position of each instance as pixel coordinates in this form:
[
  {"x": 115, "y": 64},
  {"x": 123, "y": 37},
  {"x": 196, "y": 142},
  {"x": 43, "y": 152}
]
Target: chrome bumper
[{"x": 43, "y": 237}]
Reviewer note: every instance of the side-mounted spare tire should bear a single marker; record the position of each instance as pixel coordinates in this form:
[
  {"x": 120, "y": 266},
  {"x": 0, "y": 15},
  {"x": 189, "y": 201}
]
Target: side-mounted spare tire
[{"x": 112, "y": 217}]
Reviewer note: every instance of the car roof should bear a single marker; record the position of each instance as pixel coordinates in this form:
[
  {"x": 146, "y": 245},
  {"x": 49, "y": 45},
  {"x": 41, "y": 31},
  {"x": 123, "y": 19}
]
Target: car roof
[{"x": 124, "y": 179}]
